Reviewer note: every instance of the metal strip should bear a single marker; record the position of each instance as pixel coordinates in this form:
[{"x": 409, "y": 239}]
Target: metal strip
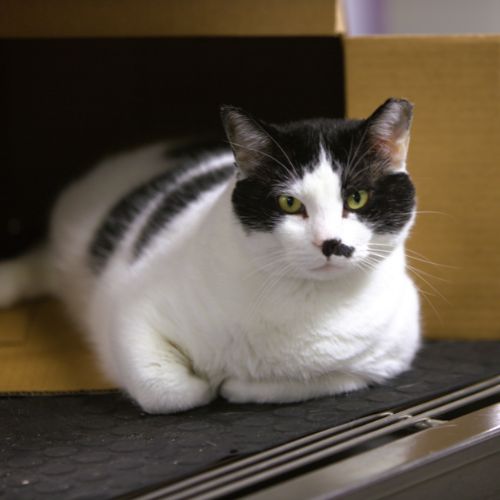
[
  {"x": 280, "y": 460},
  {"x": 469, "y": 394},
  {"x": 426, "y": 458}
]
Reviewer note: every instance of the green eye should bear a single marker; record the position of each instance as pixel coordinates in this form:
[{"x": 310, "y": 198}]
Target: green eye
[
  {"x": 290, "y": 205},
  {"x": 357, "y": 199}
]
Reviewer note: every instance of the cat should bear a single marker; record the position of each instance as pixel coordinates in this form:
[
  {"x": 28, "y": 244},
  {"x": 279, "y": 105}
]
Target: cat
[{"x": 269, "y": 270}]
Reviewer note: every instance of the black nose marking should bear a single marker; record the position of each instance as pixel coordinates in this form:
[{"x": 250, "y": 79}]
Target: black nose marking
[{"x": 336, "y": 247}]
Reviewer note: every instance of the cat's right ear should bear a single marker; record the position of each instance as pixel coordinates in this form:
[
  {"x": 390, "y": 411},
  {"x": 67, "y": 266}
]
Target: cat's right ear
[{"x": 247, "y": 137}]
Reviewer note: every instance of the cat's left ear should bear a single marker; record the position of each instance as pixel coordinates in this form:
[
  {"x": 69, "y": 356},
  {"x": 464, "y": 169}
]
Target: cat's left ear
[
  {"x": 248, "y": 139},
  {"x": 389, "y": 130}
]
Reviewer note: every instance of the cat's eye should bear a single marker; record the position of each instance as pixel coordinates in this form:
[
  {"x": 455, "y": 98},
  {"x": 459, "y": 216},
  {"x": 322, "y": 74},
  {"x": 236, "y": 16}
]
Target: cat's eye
[
  {"x": 357, "y": 199},
  {"x": 290, "y": 205}
]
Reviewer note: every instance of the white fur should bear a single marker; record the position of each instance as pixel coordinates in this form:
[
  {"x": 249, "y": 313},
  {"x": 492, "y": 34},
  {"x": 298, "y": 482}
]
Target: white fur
[{"x": 208, "y": 307}]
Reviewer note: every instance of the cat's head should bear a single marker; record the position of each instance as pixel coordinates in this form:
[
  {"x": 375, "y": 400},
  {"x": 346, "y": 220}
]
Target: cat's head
[{"x": 321, "y": 197}]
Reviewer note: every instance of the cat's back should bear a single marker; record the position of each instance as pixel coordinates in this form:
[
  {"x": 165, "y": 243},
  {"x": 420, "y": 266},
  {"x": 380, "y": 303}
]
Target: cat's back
[
  {"x": 96, "y": 216},
  {"x": 88, "y": 198}
]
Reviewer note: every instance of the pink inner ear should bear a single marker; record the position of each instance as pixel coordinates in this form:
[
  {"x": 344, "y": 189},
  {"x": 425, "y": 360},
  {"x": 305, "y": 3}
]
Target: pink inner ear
[
  {"x": 391, "y": 142},
  {"x": 390, "y": 130},
  {"x": 394, "y": 149}
]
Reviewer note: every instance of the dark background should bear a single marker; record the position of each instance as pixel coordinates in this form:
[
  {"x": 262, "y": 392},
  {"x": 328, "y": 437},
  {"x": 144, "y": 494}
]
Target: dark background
[{"x": 66, "y": 102}]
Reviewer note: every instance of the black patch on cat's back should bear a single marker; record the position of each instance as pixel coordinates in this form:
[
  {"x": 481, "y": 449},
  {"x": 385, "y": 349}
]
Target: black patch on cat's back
[
  {"x": 176, "y": 201},
  {"x": 121, "y": 216}
]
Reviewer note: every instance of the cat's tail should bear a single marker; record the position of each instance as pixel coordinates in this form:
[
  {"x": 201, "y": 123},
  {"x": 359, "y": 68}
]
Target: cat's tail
[{"x": 25, "y": 277}]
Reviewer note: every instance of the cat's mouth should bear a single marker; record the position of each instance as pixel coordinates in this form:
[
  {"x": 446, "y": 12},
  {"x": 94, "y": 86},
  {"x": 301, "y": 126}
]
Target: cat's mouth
[{"x": 328, "y": 266}]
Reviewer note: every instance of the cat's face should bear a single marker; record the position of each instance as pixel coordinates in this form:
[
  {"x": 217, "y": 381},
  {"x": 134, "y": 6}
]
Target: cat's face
[{"x": 319, "y": 198}]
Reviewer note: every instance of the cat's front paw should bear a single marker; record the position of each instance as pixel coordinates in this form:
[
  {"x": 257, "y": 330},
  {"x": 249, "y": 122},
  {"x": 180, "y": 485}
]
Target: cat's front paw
[
  {"x": 233, "y": 390},
  {"x": 160, "y": 395},
  {"x": 241, "y": 391},
  {"x": 288, "y": 391}
]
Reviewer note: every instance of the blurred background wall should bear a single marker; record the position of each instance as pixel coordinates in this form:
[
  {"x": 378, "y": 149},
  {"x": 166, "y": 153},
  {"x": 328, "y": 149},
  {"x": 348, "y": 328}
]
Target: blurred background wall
[{"x": 366, "y": 17}]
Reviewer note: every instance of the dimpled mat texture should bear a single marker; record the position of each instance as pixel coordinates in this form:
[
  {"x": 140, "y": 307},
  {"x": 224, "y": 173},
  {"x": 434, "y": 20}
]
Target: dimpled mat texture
[{"x": 102, "y": 446}]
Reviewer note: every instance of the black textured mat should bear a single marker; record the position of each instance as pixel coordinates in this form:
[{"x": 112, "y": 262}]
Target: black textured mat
[{"x": 101, "y": 446}]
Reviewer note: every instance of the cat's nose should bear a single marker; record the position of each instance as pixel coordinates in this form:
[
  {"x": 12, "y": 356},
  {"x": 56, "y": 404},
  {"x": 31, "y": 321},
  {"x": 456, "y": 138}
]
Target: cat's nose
[{"x": 336, "y": 247}]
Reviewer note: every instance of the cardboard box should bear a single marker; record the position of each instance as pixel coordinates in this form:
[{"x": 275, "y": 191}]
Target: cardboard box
[{"x": 454, "y": 83}]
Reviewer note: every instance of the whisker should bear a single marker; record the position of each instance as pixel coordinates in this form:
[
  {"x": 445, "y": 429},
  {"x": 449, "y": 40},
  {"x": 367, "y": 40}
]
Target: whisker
[
  {"x": 277, "y": 144},
  {"x": 267, "y": 287},
  {"x": 430, "y": 262},
  {"x": 349, "y": 156},
  {"x": 425, "y": 273},
  {"x": 354, "y": 161},
  {"x": 410, "y": 254},
  {"x": 360, "y": 172},
  {"x": 257, "y": 151},
  {"x": 266, "y": 267},
  {"x": 426, "y": 295},
  {"x": 418, "y": 274},
  {"x": 429, "y": 212}
]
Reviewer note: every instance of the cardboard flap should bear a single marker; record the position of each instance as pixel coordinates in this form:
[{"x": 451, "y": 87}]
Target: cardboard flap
[
  {"x": 454, "y": 160},
  {"x": 130, "y": 18}
]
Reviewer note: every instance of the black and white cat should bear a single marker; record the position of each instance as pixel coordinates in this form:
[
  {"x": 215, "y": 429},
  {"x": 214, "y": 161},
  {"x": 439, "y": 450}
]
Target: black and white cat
[{"x": 273, "y": 271}]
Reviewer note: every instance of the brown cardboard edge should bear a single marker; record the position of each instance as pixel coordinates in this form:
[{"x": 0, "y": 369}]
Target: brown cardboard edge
[
  {"x": 447, "y": 38},
  {"x": 150, "y": 18},
  {"x": 81, "y": 392}
]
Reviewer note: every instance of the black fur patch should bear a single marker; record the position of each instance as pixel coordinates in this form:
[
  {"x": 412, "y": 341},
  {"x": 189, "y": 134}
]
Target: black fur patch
[
  {"x": 294, "y": 151},
  {"x": 176, "y": 201},
  {"x": 392, "y": 203},
  {"x": 121, "y": 216},
  {"x": 391, "y": 194},
  {"x": 255, "y": 205}
]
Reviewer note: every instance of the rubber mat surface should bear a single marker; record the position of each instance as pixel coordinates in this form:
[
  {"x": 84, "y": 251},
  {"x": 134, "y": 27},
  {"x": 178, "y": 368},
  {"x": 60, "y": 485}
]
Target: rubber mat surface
[{"x": 102, "y": 446}]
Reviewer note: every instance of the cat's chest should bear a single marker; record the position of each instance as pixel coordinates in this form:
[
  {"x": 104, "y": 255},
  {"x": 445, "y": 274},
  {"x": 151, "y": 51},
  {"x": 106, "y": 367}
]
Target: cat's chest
[
  {"x": 313, "y": 345},
  {"x": 308, "y": 341},
  {"x": 305, "y": 333}
]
